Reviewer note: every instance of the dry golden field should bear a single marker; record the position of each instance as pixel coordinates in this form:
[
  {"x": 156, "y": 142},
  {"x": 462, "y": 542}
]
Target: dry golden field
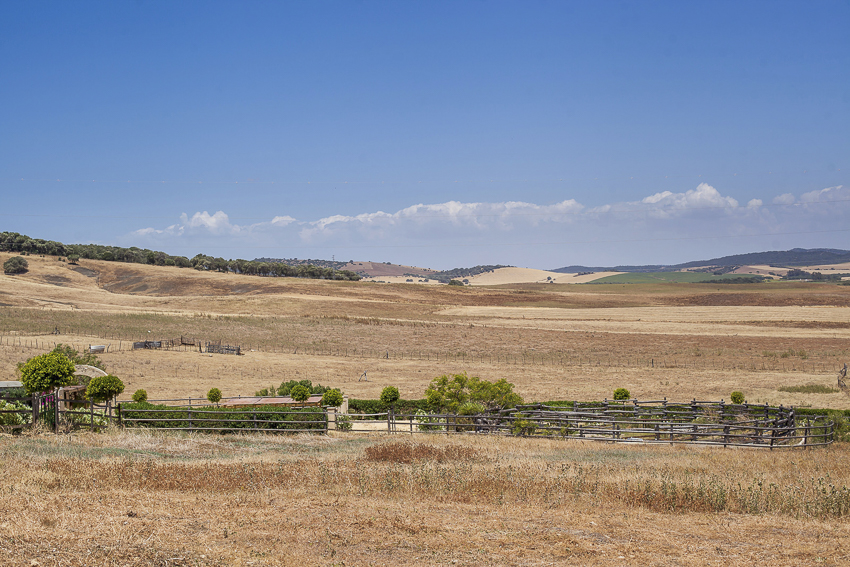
[
  {"x": 141, "y": 498},
  {"x": 679, "y": 341}
]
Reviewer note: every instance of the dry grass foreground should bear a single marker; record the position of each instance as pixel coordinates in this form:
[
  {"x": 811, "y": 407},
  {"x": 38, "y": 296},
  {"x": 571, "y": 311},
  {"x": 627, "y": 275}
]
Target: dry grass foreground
[{"x": 127, "y": 498}]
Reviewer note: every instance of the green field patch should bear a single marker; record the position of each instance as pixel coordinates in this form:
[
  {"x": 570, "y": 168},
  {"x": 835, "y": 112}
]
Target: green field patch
[{"x": 663, "y": 277}]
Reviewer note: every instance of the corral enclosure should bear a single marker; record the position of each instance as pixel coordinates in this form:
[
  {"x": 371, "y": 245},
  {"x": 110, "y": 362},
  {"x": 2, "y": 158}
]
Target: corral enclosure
[{"x": 172, "y": 499}]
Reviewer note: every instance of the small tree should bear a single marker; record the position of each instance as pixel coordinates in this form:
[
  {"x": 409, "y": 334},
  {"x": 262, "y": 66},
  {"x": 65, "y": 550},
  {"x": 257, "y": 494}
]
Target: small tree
[
  {"x": 300, "y": 393},
  {"x": 332, "y": 397},
  {"x": 389, "y": 395},
  {"x": 15, "y": 265},
  {"x": 737, "y": 397},
  {"x": 456, "y": 282},
  {"x": 104, "y": 388},
  {"x": 214, "y": 395},
  {"x": 622, "y": 394},
  {"x": 73, "y": 258},
  {"x": 46, "y": 372},
  {"x": 140, "y": 396}
]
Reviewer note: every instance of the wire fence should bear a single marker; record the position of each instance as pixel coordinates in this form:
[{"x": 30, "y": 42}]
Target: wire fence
[{"x": 777, "y": 363}]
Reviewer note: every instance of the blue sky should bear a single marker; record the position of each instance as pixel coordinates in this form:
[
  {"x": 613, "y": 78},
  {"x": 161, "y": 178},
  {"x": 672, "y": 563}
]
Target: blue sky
[{"x": 438, "y": 134}]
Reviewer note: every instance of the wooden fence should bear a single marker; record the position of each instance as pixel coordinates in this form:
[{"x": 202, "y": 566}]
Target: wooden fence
[
  {"x": 699, "y": 423},
  {"x": 646, "y": 422}
]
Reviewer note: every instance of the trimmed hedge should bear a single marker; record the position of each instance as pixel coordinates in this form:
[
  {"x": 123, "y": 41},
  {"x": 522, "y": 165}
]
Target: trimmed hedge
[
  {"x": 402, "y": 406},
  {"x": 231, "y": 418}
]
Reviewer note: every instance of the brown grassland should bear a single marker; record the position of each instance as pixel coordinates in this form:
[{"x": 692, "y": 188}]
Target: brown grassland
[{"x": 142, "y": 498}]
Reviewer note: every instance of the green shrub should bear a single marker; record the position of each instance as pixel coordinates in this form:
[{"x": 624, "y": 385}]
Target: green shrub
[
  {"x": 102, "y": 388},
  {"x": 427, "y": 422},
  {"x": 737, "y": 397},
  {"x": 343, "y": 422},
  {"x": 15, "y": 265},
  {"x": 140, "y": 396},
  {"x": 214, "y": 395},
  {"x": 522, "y": 425},
  {"x": 471, "y": 408},
  {"x": 456, "y": 282},
  {"x": 390, "y": 395},
  {"x": 622, "y": 394},
  {"x": 300, "y": 393},
  {"x": 46, "y": 372},
  {"x": 86, "y": 358},
  {"x": 402, "y": 406},
  {"x": 285, "y": 388},
  {"x": 332, "y": 397},
  {"x": 448, "y": 392},
  {"x": 14, "y": 418}
]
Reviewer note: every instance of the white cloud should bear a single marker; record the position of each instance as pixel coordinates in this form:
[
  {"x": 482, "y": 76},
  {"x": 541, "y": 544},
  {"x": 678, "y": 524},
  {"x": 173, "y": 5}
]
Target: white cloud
[
  {"x": 666, "y": 203},
  {"x": 217, "y": 223},
  {"x": 519, "y": 232},
  {"x": 830, "y": 194}
]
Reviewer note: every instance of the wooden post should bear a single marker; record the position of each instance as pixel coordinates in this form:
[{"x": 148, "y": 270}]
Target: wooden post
[
  {"x": 91, "y": 416},
  {"x": 120, "y": 415}
]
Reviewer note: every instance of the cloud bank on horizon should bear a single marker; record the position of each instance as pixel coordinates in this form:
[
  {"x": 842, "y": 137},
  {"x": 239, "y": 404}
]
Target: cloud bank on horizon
[{"x": 664, "y": 227}]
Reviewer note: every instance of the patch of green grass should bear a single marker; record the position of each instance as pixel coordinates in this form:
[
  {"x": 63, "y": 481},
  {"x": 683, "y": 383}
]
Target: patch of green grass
[{"x": 663, "y": 277}]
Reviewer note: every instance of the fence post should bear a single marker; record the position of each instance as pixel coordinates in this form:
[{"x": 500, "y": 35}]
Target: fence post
[
  {"x": 56, "y": 411},
  {"x": 91, "y": 416},
  {"x": 120, "y": 416}
]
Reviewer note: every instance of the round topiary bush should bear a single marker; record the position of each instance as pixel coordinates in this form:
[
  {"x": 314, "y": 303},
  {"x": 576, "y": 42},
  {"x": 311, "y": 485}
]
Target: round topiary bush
[
  {"x": 332, "y": 397},
  {"x": 102, "y": 388},
  {"x": 140, "y": 396},
  {"x": 214, "y": 395},
  {"x": 390, "y": 395},
  {"x": 46, "y": 372},
  {"x": 737, "y": 397},
  {"x": 622, "y": 394},
  {"x": 300, "y": 393}
]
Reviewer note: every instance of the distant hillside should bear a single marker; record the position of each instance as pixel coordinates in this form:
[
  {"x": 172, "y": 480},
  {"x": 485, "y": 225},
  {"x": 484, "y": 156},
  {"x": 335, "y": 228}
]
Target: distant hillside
[
  {"x": 459, "y": 273},
  {"x": 302, "y": 262},
  {"x": 793, "y": 257}
]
